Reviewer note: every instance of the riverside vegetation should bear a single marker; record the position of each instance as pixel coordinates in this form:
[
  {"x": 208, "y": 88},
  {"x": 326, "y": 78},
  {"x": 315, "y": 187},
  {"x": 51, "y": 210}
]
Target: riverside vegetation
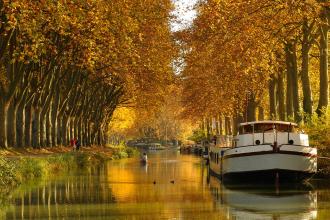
[
  {"x": 318, "y": 129},
  {"x": 14, "y": 171}
]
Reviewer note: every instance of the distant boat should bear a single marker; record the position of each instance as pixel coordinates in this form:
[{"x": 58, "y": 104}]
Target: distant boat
[
  {"x": 155, "y": 146},
  {"x": 264, "y": 151}
]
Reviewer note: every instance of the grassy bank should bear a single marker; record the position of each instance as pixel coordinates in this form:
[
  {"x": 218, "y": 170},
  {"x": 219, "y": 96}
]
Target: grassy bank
[{"x": 24, "y": 165}]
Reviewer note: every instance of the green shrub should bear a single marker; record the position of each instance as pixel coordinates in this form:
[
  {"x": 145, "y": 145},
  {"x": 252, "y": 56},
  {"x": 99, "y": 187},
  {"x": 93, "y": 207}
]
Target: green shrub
[
  {"x": 122, "y": 154},
  {"x": 318, "y": 130},
  {"x": 29, "y": 168},
  {"x": 131, "y": 152},
  {"x": 62, "y": 162},
  {"x": 7, "y": 173},
  {"x": 82, "y": 159}
]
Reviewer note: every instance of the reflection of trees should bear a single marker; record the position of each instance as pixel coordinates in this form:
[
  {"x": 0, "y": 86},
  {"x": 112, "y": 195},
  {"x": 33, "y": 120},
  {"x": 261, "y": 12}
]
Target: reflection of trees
[{"x": 64, "y": 196}]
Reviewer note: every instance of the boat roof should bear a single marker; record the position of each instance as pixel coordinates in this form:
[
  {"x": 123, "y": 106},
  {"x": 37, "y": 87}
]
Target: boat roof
[{"x": 269, "y": 122}]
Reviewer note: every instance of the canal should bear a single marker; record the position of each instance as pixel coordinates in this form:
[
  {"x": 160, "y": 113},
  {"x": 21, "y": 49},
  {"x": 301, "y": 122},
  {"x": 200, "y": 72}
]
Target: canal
[{"x": 171, "y": 186}]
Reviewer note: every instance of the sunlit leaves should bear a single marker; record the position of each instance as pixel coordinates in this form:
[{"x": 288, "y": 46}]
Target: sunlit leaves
[{"x": 230, "y": 50}]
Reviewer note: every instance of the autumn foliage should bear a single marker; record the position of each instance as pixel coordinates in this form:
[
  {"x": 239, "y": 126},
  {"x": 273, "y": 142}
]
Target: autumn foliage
[
  {"x": 248, "y": 60},
  {"x": 66, "y": 65}
]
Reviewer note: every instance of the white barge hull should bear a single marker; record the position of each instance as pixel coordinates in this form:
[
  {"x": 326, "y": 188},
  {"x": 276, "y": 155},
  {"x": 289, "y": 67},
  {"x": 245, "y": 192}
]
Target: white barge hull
[{"x": 263, "y": 162}]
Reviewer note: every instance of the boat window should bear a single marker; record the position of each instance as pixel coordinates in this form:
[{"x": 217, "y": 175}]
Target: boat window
[
  {"x": 266, "y": 127},
  {"x": 247, "y": 129},
  {"x": 286, "y": 128},
  {"x": 282, "y": 127}
]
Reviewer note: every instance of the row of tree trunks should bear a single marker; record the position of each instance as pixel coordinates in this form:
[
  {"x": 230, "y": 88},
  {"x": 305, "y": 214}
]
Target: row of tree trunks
[
  {"x": 219, "y": 125},
  {"x": 52, "y": 116}
]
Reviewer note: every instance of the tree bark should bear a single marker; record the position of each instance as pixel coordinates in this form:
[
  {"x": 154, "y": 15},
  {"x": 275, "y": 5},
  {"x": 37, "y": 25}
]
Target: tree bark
[
  {"x": 251, "y": 108},
  {"x": 21, "y": 125},
  {"x": 4, "y": 106},
  {"x": 306, "y": 87},
  {"x": 272, "y": 98},
  {"x": 220, "y": 125},
  {"x": 291, "y": 61},
  {"x": 228, "y": 126},
  {"x": 28, "y": 125},
  {"x": 261, "y": 113},
  {"x": 11, "y": 124},
  {"x": 280, "y": 96},
  {"x": 49, "y": 142},
  {"x": 36, "y": 128},
  {"x": 324, "y": 77}
]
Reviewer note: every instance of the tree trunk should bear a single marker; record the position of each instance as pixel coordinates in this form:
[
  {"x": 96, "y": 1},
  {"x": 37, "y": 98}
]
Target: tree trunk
[
  {"x": 306, "y": 87},
  {"x": 251, "y": 109},
  {"x": 64, "y": 131},
  {"x": 272, "y": 98},
  {"x": 55, "y": 116},
  {"x": 43, "y": 134},
  {"x": 261, "y": 113},
  {"x": 59, "y": 130},
  {"x": 36, "y": 128},
  {"x": 11, "y": 124},
  {"x": 3, "y": 123},
  {"x": 280, "y": 96},
  {"x": 75, "y": 127},
  {"x": 220, "y": 125},
  {"x": 295, "y": 88},
  {"x": 324, "y": 77},
  {"x": 71, "y": 129},
  {"x": 208, "y": 132},
  {"x": 228, "y": 126},
  {"x": 28, "y": 125},
  {"x": 80, "y": 131},
  {"x": 49, "y": 142},
  {"x": 21, "y": 125},
  {"x": 217, "y": 129},
  {"x": 293, "y": 78}
]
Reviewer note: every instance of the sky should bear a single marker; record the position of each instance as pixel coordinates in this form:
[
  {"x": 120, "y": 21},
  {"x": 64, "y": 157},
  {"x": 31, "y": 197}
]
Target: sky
[{"x": 184, "y": 12}]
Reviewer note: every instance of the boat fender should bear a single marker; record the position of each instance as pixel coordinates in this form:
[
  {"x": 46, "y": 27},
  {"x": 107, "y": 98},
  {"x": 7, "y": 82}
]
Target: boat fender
[
  {"x": 257, "y": 142},
  {"x": 291, "y": 142}
]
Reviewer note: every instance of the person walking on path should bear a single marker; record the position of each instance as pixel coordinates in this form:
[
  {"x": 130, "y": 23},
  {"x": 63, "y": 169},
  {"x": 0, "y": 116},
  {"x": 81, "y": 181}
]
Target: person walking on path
[
  {"x": 77, "y": 144},
  {"x": 73, "y": 143}
]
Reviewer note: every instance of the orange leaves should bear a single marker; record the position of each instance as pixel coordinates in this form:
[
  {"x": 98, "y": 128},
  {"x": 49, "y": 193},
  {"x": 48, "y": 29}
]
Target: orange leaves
[
  {"x": 129, "y": 41},
  {"x": 230, "y": 46}
]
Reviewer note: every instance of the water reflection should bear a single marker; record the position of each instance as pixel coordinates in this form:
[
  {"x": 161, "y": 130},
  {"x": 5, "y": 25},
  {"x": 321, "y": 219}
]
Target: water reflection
[
  {"x": 170, "y": 186},
  {"x": 290, "y": 202}
]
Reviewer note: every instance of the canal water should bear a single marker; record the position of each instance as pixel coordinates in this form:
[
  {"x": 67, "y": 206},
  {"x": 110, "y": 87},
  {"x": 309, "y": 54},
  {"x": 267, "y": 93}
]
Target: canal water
[{"x": 171, "y": 186}]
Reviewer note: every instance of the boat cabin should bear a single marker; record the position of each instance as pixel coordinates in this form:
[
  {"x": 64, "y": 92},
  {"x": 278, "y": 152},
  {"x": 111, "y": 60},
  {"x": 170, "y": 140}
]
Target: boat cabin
[{"x": 268, "y": 132}]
